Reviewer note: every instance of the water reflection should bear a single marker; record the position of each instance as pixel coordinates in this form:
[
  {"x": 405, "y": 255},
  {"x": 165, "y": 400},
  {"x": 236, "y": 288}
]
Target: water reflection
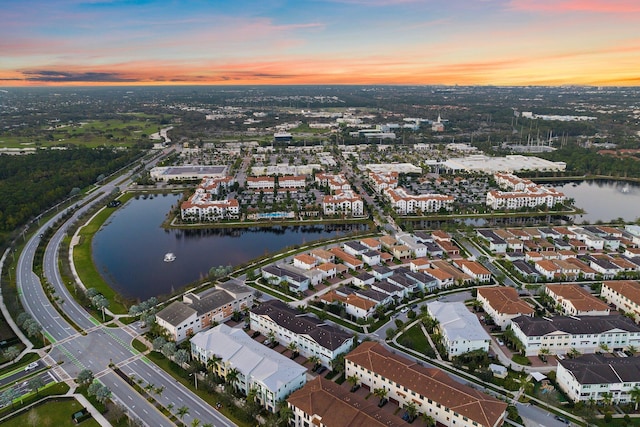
[{"x": 129, "y": 251}]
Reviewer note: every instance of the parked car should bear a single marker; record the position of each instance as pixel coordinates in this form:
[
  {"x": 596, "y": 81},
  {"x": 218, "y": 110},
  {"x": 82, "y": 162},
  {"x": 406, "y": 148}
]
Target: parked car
[
  {"x": 31, "y": 366},
  {"x": 562, "y": 419}
]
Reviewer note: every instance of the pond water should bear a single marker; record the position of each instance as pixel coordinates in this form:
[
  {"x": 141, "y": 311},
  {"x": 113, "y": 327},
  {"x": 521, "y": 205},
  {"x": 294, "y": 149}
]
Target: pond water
[
  {"x": 129, "y": 249},
  {"x": 604, "y": 200}
]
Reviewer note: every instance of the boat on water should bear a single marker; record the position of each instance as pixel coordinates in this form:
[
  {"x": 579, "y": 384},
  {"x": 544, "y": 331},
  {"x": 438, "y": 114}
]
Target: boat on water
[
  {"x": 169, "y": 257},
  {"x": 625, "y": 189}
]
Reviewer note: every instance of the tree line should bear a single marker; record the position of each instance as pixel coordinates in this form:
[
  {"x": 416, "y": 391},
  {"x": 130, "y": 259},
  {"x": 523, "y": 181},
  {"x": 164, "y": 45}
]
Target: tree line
[{"x": 32, "y": 183}]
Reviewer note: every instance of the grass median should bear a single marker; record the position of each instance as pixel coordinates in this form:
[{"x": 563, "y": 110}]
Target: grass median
[{"x": 83, "y": 259}]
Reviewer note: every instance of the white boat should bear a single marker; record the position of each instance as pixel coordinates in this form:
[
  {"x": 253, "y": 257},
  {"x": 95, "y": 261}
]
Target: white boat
[{"x": 169, "y": 257}]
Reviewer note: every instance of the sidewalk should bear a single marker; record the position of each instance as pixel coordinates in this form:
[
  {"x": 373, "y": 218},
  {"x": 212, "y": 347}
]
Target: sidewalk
[{"x": 93, "y": 411}]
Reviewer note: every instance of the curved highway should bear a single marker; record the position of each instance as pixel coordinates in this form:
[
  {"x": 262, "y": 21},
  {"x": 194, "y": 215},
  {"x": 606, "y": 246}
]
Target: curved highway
[{"x": 97, "y": 346}]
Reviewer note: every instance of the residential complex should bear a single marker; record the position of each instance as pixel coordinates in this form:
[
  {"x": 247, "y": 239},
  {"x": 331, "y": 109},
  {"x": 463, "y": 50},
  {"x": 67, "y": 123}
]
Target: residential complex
[
  {"x": 405, "y": 203},
  {"x": 461, "y": 330},
  {"x": 324, "y": 403},
  {"x": 182, "y": 319},
  {"x": 503, "y": 304},
  {"x": 574, "y": 300},
  {"x": 586, "y": 334},
  {"x": 624, "y": 295},
  {"x": 271, "y": 375},
  {"x": 311, "y": 336},
  {"x": 598, "y": 377},
  {"x": 343, "y": 202},
  {"x": 431, "y": 390}
]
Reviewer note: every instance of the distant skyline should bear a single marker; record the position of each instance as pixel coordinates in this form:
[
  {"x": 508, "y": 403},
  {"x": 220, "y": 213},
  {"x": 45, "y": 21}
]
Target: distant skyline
[{"x": 416, "y": 42}]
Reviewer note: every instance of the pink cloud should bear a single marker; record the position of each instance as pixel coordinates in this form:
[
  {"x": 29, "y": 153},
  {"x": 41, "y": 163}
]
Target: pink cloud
[{"x": 560, "y": 6}]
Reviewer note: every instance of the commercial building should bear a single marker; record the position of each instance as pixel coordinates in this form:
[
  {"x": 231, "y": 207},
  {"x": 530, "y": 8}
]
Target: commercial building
[
  {"x": 183, "y": 173},
  {"x": 271, "y": 375},
  {"x": 432, "y": 391}
]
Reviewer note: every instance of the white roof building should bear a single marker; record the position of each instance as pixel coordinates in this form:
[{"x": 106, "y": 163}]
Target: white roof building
[
  {"x": 271, "y": 374},
  {"x": 461, "y": 330}
]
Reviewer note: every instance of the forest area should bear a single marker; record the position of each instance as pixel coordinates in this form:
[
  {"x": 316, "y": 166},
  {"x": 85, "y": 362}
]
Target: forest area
[{"x": 30, "y": 184}]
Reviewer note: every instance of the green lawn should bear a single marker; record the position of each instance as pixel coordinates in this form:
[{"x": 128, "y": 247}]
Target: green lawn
[
  {"x": 114, "y": 132},
  {"x": 83, "y": 260},
  {"x": 415, "y": 338},
  {"x": 54, "y": 413}
]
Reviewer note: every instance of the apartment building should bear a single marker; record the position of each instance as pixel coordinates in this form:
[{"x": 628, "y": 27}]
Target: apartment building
[
  {"x": 587, "y": 334},
  {"x": 624, "y": 295},
  {"x": 197, "y": 312},
  {"x": 503, "y": 304},
  {"x": 311, "y": 336},
  {"x": 201, "y": 207},
  {"x": 432, "y": 391},
  {"x": 595, "y": 377},
  {"x": 270, "y": 374},
  {"x": 343, "y": 202},
  {"x": 574, "y": 300},
  {"x": 405, "y": 203}
]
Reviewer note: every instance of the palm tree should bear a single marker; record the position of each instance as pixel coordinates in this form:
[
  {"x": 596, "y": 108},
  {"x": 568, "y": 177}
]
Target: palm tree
[
  {"x": 604, "y": 347},
  {"x": 428, "y": 420},
  {"x": 232, "y": 376},
  {"x": 315, "y": 360},
  {"x": 543, "y": 353},
  {"x": 213, "y": 363},
  {"x": 632, "y": 349},
  {"x": 635, "y": 396},
  {"x": 353, "y": 380},
  {"x": 381, "y": 393},
  {"x": 293, "y": 347},
  {"x": 285, "y": 415},
  {"x": 271, "y": 336},
  {"x": 573, "y": 353},
  {"x": 195, "y": 422},
  {"x": 607, "y": 399},
  {"x": 411, "y": 409},
  {"x": 182, "y": 411}
]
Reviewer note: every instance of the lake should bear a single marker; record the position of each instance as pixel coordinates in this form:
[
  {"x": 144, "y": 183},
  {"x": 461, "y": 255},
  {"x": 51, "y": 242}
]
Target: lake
[
  {"x": 603, "y": 200},
  {"x": 129, "y": 249}
]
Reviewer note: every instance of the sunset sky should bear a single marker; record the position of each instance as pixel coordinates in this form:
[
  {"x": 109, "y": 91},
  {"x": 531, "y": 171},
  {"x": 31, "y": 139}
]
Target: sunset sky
[{"x": 466, "y": 42}]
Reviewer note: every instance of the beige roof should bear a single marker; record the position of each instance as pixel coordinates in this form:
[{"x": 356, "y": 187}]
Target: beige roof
[
  {"x": 432, "y": 383},
  {"x": 580, "y": 298},
  {"x": 505, "y": 300},
  {"x": 306, "y": 259}
]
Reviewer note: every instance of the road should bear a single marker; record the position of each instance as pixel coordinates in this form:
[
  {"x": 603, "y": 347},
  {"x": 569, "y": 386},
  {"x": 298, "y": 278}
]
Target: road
[{"x": 97, "y": 346}]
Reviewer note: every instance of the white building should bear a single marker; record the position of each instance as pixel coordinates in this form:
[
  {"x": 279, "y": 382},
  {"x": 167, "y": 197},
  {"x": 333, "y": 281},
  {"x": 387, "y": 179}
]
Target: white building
[
  {"x": 594, "y": 376},
  {"x": 461, "y": 330},
  {"x": 502, "y": 304},
  {"x": 272, "y": 375},
  {"x": 405, "y": 203},
  {"x": 344, "y": 202},
  {"x": 197, "y": 312},
  {"x": 587, "y": 334},
  {"x": 311, "y": 336},
  {"x": 200, "y": 207},
  {"x": 624, "y": 295}
]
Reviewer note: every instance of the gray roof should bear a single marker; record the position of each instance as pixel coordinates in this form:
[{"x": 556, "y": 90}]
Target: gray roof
[
  {"x": 539, "y": 326},
  {"x": 235, "y": 287},
  {"x": 356, "y": 246},
  {"x": 282, "y": 271},
  {"x": 176, "y": 313},
  {"x": 598, "y": 369},
  {"x": 299, "y": 323},
  {"x": 210, "y": 300},
  {"x": 525, "y": 268},
  {"x": 388, "y": 287}
]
